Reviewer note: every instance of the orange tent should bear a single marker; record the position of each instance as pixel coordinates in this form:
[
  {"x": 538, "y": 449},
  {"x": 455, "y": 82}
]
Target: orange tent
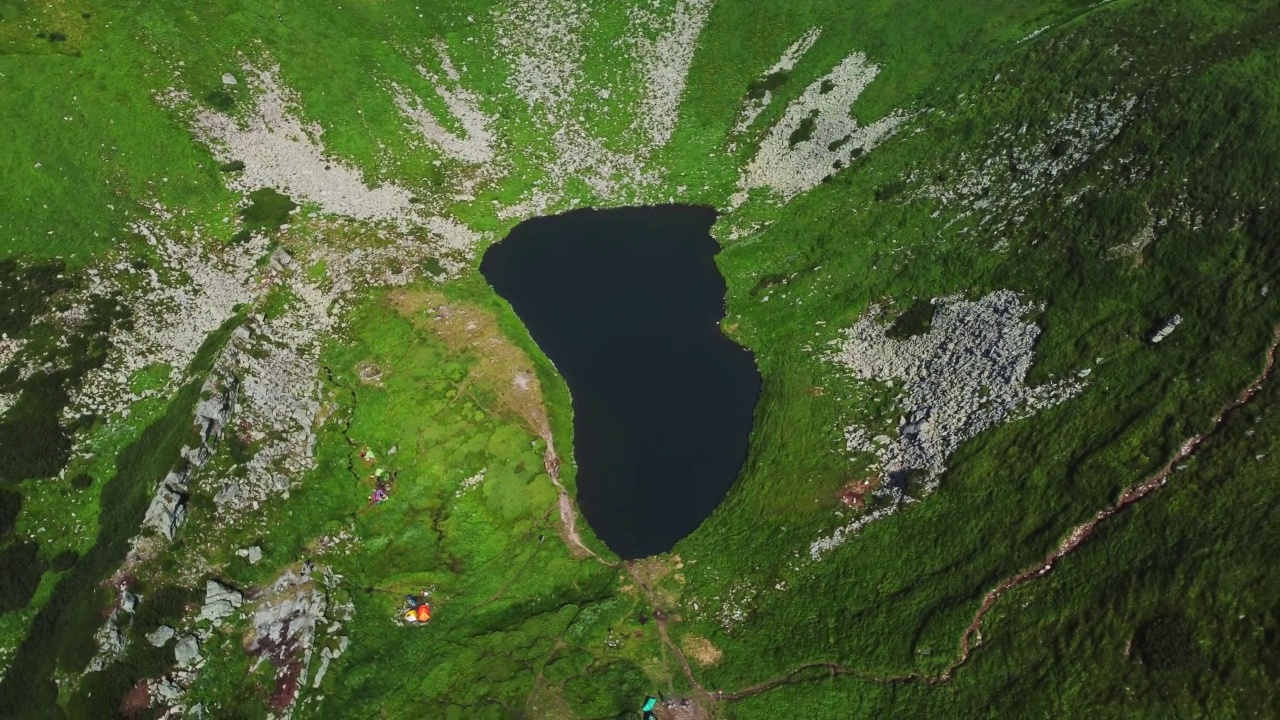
[{"x": 424, "y": 612}]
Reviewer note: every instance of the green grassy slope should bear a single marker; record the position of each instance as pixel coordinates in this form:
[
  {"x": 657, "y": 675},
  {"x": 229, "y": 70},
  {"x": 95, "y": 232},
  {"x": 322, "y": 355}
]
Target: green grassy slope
[
  {"x": 1165, "y": 613},
  {"x": 895, "y": 599}
]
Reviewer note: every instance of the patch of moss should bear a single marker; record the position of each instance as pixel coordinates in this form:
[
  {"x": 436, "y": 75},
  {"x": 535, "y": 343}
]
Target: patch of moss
[
  {"x": 165, "y": 606},
  {"x": 33, "y": 442},
  {"x": 804, "y": 131},
  {"x": 758, "y": 87},
  {"x": 10, "y": 506},
  {"x": 26, "y": 291},
  {"x": 1166, "y": 643},
  {"x": 64, "y": 561},
  {"x": 915, "y": 320},
  {"x": 220, "y": 99},
  {"x": 890, "y": 190},
  {"x": 267, "y": 210},
  {"x": 606, "y": 690}
]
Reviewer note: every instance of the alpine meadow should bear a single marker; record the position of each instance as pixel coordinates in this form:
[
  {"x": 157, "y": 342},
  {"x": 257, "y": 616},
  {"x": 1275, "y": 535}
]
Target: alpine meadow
[{"x": 959, "y": 409}]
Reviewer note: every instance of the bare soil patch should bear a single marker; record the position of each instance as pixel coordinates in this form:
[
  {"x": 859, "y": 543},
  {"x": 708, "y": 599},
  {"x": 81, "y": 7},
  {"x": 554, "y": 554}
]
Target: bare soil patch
[
  {"x": 369, "y": 372},
  {"x": 681, "y": 709},
  {"x": 701, "y": 649},
  {"x": 652, "y": 573},
  {"x": 854, "y": 493}
]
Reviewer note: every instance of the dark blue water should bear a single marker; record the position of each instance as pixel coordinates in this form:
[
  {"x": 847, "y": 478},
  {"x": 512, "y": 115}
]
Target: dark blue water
[{"x": 627, "y": 304}]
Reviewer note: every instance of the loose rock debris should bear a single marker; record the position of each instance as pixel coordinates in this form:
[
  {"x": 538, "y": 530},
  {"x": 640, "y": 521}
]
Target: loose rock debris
[
  {"x": 279, "y": 151},
  {"x": 789, "y": 163},
  {"x": 665, "y": 64},
  {"x": 753, "y": 106},
  {"x": 966, "y": 374},
  {"x": 477, "y": 144}
]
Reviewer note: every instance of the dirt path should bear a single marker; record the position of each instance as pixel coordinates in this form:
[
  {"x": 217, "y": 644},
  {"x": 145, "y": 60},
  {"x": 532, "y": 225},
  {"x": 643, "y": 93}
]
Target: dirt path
[
  {"x": 568, "y": 513},
  {"x": 972, "y": 636},
  {"x": 572, "y": 538},
  {"x": 660, "y": 619},
  {"x": 684, "y": 661},
  {"x": 833, "y": 669}
]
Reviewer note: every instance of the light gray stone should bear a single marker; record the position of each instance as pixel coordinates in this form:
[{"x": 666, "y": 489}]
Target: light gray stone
[
  {"x": 111, "y": 643},
  {"x": 281, "y": 259},
  {"x": 166, "y": 691},
  {"x": 187, "y": 651},
  {"x": 160, "y": 636},
  {"x": 1166, "y": 329},
  {"x": 219, "y": 602},
  {"x": 325, "y": 658},
  {"x": 168, "y": 508},
  {"x": 287, "y": 617}
]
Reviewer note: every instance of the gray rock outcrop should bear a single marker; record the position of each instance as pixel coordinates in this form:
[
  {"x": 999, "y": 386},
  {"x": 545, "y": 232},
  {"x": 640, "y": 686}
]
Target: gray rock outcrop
[
  {"x": 284, "y": 628},
  {"x": 252, "y": 554},
  {"x": 281, "y": 259},
  {"x": 160, "y": 636},
  {"x": 219, "y": 602},
  {"x": 212, "y": 414},
  {"x": 187, "y": 651},
  {"x": 166, "y": 691},
  {"x": 168, "y": 509},
  {"x": 111, "y": 642},
  {"x": 1166, "y": 329}
]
